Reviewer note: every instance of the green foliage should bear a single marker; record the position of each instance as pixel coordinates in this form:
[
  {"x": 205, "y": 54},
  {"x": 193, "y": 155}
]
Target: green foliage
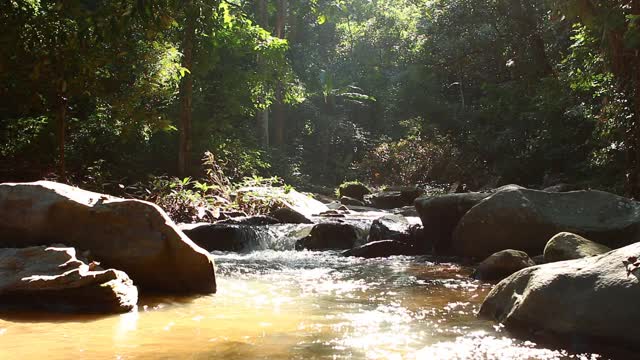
[
  {"x": 387, "y": 92},
  {"x": 184, "y": 200},
  {"x": 188, "y": 200}
]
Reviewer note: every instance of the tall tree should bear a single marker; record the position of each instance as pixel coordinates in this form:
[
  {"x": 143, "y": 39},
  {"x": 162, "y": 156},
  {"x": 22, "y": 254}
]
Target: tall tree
[
  {"x": 186, "y": 87},
  {"x": 262, "y": 115},
  {"x": 279, "y": 111}
]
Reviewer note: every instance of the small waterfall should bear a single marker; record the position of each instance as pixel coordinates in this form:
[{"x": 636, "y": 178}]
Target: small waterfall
[{"x": 280, "y": 237}]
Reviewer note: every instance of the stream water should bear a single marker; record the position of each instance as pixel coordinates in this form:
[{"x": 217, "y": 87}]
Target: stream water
[{"x": 283, "y": 304}]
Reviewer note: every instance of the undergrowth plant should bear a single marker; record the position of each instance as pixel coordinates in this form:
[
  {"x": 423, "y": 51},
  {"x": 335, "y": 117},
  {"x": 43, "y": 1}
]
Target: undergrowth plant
[{"x": 188, "y": 200}]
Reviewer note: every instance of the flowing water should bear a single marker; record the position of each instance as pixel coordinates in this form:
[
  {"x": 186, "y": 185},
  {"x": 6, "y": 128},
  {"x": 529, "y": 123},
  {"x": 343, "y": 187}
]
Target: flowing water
[{"x": 283, "y": 304}]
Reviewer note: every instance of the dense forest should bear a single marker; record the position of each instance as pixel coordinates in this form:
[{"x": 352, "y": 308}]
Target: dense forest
[{"x": 317, "y": 92}]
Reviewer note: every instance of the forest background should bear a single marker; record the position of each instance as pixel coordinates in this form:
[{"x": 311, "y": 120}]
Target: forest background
[{"x": 318, "y": 92}]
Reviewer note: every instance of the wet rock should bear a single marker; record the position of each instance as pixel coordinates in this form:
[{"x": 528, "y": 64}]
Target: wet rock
[
  {"x": 345, "y": 200},
  {"x": 256, "y": 220},
  {"x": 290, "y": 216},
  {"x": 325, "y": 198},
  {"x": 341, "y": 212},
  {"x": 502, "y": 264},
  {"x": 331, "y": 236},
  {"x": 440, "y": 216},
  {"x": 525, "y": 220},
  {"x": 562, "y": 188},
  {"x": 589, "y": 298},
  {"x": 355, "y": 191},
  {"x": 381, "y": 248},
  {"x": 53, "y": 278},
  {"x": 568, "y": 246},
  {"x": 131, "y": 235},
  {"x": 358, "y": 209},
  {"x": 506, "y": 187},
  {"x": 334, "y": 205},
  {"x": 394, "y": 198},
  {"x": 391, "y": 227},
  {"x": 406, "y": 211},
  {"x": 223, "y": 237}
]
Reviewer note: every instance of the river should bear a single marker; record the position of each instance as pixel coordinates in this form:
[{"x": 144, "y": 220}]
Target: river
[{"x": 284, "y": 304}]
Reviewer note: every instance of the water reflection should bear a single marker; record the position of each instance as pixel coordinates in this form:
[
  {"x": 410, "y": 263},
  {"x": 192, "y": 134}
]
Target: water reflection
[{"x": 291, "y": 305}]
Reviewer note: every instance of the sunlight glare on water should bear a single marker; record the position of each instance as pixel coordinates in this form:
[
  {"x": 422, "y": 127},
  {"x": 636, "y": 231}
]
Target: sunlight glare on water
[{"x": 284, "y": 305}]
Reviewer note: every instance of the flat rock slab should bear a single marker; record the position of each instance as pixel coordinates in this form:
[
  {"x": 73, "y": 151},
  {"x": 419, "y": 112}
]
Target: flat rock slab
[
  {"x": 53, "y": 278},
  {"x": 131, "y": 235}
]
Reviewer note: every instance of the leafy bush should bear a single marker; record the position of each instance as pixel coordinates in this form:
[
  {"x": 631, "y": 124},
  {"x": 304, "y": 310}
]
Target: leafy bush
[
  {"x": 184, "y": 200},
  {"x": 415, "y": 160},
  {"x": 187, "y": 200}
]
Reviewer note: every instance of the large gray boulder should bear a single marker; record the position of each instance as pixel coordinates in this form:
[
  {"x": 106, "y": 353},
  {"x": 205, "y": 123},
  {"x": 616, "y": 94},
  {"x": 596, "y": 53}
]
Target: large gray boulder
[
  {"x": 502, "y": 264},
  {"x": 134, "y": 236},
  {"x": 440, "y": 216},
  {"x": 53, "y": 278},
  {"x": 591, "y": 297},
  {"x": 523, "y": 219},
  {"x": 568, "y": 246}
]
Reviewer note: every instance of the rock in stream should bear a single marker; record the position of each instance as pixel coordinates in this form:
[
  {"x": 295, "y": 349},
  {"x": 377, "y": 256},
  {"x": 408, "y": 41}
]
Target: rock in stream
[
  {"x": 53, "y": 278},
  {"x": 130, "y": 235}
]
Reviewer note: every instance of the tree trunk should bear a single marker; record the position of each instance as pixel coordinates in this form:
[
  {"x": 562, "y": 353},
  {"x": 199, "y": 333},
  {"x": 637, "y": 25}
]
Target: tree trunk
[
  {"x": 530, "y": 50},
  {"x": 279, "y": 110},
  {"x": 281, "y": 18},
  {"x": 186, "y": 92},
  {"x": 61, "y": 114},
  {"x": 262, "y": 116},
  {"x": 279, "y": 117}
]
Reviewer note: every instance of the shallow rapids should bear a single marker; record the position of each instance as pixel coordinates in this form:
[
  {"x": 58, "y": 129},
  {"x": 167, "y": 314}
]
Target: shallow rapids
[{"x": 290, "y": 305}]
